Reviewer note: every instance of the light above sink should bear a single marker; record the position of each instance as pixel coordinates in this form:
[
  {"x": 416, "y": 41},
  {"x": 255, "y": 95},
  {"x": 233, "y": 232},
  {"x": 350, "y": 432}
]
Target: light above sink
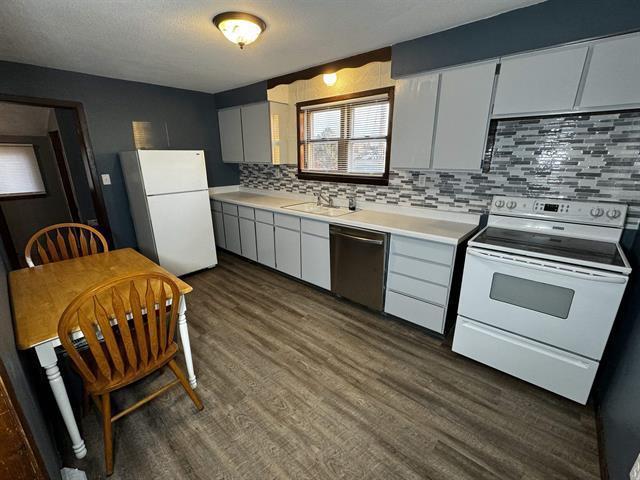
[{"x": 312, "y": 207}]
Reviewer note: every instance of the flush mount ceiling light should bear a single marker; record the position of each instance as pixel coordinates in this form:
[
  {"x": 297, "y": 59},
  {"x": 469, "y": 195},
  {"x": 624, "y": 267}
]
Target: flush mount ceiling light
[
  {"x": 240, "y": 28},
  {"x": 330, "y": 79}
]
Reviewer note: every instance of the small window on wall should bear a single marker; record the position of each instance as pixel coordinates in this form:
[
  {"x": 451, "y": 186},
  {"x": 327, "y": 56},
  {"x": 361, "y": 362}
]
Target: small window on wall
[
  {"x": 346, "y": 138},
  {"x": 19, "y": 172}
]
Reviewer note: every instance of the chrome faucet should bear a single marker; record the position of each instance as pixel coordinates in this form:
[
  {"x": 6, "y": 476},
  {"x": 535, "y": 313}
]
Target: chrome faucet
[{"x": 320, "y": 197}]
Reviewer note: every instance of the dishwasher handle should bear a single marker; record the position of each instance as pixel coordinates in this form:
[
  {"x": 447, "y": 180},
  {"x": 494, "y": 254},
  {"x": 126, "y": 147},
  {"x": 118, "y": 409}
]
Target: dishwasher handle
[{"x": 359, "y": 239}]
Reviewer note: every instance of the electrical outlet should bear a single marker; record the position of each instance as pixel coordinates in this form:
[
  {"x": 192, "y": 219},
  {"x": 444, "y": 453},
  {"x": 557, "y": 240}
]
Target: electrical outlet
[
  {"x": 422, "y": 180},
  {"x": 635, "y": 471},
  {"x": 106, "y": 179}
]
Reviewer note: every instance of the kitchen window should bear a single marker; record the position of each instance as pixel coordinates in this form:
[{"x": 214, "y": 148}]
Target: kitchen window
[
  {"x": 21, "y": 175},
  {"x": 346, "y": 138}
]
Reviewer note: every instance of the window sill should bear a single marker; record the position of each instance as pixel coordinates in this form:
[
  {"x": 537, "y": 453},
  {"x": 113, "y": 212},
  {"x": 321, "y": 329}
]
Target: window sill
[{"x": 327, "y": 177}]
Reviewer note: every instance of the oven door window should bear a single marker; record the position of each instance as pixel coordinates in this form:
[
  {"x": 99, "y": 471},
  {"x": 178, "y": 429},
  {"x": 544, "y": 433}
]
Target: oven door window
[{"x": 540, "y": 297}]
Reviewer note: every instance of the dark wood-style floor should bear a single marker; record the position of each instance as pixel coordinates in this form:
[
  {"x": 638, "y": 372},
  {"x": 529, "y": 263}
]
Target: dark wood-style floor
[{"x": 299, "y": 384}]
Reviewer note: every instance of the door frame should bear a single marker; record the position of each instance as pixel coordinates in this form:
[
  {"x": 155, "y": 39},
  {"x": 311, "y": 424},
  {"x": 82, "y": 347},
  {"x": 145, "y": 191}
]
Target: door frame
[{"x": 88, "y": 157}]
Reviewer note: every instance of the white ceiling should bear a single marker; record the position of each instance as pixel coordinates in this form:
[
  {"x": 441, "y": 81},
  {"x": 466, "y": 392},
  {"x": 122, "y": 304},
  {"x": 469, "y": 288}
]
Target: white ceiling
[
  {"x": 23, "y": 120},
  {"x": 174, "y": 43}
]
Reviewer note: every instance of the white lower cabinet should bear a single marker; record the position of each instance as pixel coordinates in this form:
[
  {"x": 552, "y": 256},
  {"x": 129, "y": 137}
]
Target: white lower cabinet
[
  {"x": 316, "y": 262},
  {"x": 288, "y": 251},
  {"x": 248, "y": 238},
  {"x": 265, "y": 240},
  {"x": 232, "y": 233}
]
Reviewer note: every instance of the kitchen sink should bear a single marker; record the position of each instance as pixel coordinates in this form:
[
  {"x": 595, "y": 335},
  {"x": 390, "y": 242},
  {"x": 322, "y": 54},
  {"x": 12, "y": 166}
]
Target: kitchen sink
[{"x": 312, "y": 207}]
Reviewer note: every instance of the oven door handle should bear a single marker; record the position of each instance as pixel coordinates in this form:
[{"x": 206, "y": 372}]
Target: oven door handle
[{"x": 509, "y": 260}]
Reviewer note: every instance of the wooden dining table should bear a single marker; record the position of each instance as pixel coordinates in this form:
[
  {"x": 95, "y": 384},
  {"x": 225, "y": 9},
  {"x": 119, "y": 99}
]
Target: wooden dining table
[{"x": 39, "y": 296}]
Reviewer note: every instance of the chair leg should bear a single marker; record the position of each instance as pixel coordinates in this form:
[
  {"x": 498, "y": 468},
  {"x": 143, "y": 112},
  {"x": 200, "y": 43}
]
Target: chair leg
[
  {"x": 106, "y": 426},
  {"x": 177, "y": 371}
]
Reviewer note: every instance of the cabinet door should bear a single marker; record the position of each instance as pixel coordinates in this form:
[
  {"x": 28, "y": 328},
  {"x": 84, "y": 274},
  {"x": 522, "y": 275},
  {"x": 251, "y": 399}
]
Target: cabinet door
[
  {"x": 230, "y": 125},
  {"x": 248, "y": 238},
  {"x": 613, "y": 77},
  {"x": 265, "y": 240},
  {"x": 414, "y": 113},
  {"x": 256, "y": 133},
  {"x": 316, "y": 263},
  {"x": 280, "y": 134},
  {"x": 218, "y": 229},
  {"x": 288, "y": 251},
  {"x": 462, "y": 121},
  {"x": 539, "y": 83},
  {"x": 232, "y": 233}
]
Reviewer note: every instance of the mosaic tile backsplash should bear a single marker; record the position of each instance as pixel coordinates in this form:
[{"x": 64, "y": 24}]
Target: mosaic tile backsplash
[{"x": 592, "y": 157}]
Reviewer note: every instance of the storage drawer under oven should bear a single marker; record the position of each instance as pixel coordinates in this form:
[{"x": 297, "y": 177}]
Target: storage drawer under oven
[{"x": 570, "y": 308}]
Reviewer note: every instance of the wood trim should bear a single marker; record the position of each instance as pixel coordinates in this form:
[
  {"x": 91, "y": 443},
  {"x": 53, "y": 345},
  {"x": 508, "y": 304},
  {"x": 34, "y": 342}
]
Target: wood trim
[
  {"x": 7, "y": 241},
  {"x": 65, "y": 176},
  {"x": 341, "y": 178},
  {"x": 88, "y": 156},
  {"x": 379, "y": 55}
]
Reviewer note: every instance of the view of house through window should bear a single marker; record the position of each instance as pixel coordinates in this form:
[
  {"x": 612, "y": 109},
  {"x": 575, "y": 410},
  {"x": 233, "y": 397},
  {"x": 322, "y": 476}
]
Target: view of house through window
[{"x": 346, "y": 138}]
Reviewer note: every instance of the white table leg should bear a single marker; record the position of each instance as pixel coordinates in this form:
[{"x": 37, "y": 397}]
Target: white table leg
[
  {"x": 184, "y": 337},
  {"x": 49, "y": 361}
]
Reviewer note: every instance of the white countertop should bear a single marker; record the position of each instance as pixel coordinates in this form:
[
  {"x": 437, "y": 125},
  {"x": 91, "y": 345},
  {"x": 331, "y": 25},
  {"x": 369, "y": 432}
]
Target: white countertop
[{"x": 422, "y": 227}]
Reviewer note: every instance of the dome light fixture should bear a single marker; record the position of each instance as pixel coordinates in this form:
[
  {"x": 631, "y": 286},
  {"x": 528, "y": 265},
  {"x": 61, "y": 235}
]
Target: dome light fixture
[
  {"x": 239, "y": 28},
  {"x": 330, "y": 79}
]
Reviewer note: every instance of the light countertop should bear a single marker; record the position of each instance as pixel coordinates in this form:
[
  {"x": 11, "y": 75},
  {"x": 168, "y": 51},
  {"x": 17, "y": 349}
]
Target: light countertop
[{"x": 435, "y": 229}]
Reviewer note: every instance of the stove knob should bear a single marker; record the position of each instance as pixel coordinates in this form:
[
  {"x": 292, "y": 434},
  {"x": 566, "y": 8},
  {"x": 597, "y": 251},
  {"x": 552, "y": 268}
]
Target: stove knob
[
  {"x": 511, "y": 205},
  {"x": 499, "y": 203},
  {"x": 597, "y": 212},
  {"x": 615, "y": 213}
]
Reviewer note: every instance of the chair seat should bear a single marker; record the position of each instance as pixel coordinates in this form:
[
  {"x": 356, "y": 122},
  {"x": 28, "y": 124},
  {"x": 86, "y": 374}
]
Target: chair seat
[{"x": 118, "y": 380}]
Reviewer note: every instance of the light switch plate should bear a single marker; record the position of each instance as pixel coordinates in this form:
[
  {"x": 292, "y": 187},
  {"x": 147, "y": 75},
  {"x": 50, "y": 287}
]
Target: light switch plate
[
  {"x": 635, "y": 471},
  {"x": 422, "y": 180},
  {"x": 106, "y": 179}
]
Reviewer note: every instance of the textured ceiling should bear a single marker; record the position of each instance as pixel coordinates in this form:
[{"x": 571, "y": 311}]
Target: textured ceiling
[
  {"x": 23, "y": 120},
  {"x": 174, "y": 43}
]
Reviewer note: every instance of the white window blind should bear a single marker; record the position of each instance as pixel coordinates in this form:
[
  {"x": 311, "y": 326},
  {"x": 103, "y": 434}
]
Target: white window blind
[
  {"x": 19, "y": 171},
  {"x": 348, "y": 137}
]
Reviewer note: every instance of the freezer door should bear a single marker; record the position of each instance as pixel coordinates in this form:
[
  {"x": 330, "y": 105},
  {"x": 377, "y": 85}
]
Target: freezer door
[
  {"x": 183, "y": 231},
  {"x": 171, "y": 171}
]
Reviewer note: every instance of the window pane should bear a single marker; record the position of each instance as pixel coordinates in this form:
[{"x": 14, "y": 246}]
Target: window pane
[
  {"x": 322, "y": 156},
  {"x": 325, "y": 124},
  {"x": 367, "y": 156},
  {"x": 20, "y": 171},
  {"x": 370, "y": 120}
]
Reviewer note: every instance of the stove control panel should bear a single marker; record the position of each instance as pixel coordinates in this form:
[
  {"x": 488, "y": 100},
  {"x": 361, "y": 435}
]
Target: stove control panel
[{"x": 594, "y": 213}]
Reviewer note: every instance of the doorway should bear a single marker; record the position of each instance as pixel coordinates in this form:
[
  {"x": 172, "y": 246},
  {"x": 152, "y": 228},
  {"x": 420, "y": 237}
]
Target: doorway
[{"x": 52, "y": 177}]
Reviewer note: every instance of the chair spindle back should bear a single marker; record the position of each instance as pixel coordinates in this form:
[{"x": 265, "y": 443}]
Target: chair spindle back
[{"x": 63, "y": 241}]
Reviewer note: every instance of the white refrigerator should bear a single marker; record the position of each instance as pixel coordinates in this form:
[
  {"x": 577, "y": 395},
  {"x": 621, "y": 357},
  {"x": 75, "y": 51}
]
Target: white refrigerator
[{"x": 169, "y": 203}]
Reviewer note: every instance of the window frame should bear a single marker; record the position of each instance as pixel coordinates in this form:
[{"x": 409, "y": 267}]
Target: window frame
[
  {"x": 31, "y": 195},
  {"x": 343, "y": 140}
]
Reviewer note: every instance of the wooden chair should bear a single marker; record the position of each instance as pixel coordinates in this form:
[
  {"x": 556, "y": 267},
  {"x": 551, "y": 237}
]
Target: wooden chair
[
  {"x": 70, "y": 240},
  {"x": 129, "y": 336}
]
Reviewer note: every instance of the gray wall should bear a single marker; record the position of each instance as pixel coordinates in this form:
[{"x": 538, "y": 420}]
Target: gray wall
[
  {"x": 26, "y": 216},
  {"x": 111, "y": 105},
  {"x": 542, "y": 25},
  {"x": 25, "y": 393},
  {"x": 256, "y": 92}
]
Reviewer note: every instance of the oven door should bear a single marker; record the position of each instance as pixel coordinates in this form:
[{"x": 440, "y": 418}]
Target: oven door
[{"x": 572, "y": 308}]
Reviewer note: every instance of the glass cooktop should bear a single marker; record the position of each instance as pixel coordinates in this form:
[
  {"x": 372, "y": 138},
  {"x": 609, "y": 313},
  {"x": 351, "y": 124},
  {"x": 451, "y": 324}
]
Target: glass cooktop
[{"x": 569, "y": 248}]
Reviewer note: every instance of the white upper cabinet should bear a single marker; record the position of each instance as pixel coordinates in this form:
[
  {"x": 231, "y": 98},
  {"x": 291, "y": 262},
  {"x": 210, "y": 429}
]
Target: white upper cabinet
[
  {"x": 540, "y": 82},
  {"x": 463, "y": 114},
  {"x": 414, "y": 113},
  {"x": 230, "y": 125},
  {"x": 253, "y": 133},
  {"x": 613, "y": 76},
  {"x": 256, "y": 133}
]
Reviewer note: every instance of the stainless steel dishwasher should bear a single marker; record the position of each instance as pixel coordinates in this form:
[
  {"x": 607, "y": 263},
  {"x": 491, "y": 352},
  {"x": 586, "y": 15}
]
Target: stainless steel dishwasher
[{"x": 358, "y": 265}]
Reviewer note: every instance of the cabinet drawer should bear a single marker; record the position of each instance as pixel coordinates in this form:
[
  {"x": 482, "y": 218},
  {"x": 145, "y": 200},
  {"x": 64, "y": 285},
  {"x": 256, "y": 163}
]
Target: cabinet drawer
[
  {"x": 432, "y": 272},
  {"x": 246, "y": 212},
  {"x": 230, "y": 209},
  {"x": 321, "y": 229},
  {"x": 421, "y": 313},
  {"x": 217, "y": 206},
  {"x": 557, "y": 370},
  {"x": 422, "y": 249},
  {"x": 287, "y": 221},
  {"x": 264, "y": 216},
  {"x": 417, "y": 288}
]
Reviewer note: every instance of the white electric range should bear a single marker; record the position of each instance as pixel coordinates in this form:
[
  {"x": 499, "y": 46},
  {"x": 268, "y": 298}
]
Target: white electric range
[{"x": 541, "y": 288}]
